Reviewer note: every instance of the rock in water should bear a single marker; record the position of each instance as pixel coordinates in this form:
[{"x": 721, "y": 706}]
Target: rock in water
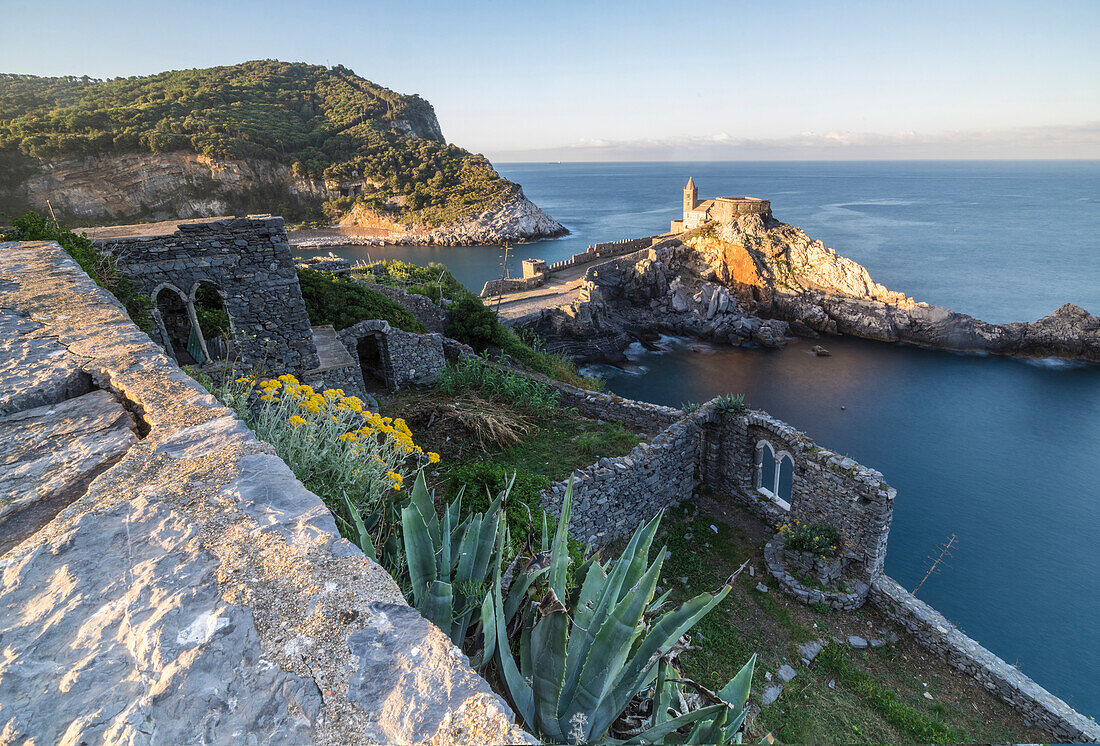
[{"x": 820, "y": 351}]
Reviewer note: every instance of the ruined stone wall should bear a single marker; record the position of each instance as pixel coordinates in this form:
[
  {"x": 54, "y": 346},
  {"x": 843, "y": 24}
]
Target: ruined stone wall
[
  {"x": 248, "y": 260},
  {"x": 407, "y": 359},
  {"x": 194, "y": 590},
  {"x": 933, "y": 630},
  {"x": 827, "y": 487},
  {"x": 613, "y": 496}
]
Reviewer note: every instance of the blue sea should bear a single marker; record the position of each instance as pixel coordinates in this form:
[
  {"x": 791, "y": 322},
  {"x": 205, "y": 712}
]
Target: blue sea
[{"x": 1003, "y": 454}]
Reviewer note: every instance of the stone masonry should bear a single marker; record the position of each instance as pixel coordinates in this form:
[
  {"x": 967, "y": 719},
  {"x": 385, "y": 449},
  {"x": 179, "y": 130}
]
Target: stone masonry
[
  {"x": 248, "y": 261},
  {"x": 404, "y": 358},
  {"x": 193, "y": 590}
]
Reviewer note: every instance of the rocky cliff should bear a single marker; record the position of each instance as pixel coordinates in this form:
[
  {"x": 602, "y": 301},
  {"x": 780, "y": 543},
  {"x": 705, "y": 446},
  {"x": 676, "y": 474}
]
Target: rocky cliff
[
  {"x": 780, "y": 272},
  {"x": 642, "y": 295},
  {"x": 158, "y": 186}
]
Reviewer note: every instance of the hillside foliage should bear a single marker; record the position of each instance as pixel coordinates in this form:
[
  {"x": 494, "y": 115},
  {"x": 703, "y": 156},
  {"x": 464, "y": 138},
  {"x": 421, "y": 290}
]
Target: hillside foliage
[{"x": 323, "y": 123}]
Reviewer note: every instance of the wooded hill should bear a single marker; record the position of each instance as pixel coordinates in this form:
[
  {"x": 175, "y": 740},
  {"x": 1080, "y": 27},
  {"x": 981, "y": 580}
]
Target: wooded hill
[{"x": 323, "y": 123}]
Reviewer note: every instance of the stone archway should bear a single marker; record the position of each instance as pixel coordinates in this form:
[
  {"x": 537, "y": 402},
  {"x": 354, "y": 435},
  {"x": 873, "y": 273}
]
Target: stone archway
[
  {"x": 178, "y": 326},
  {"x": 371, "y": 355},
  {"x": 215, "y": 323}
]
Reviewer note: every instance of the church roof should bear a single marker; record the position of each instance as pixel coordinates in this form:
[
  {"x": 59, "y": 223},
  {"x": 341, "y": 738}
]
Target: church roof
[{"x": 691, "y": 183}]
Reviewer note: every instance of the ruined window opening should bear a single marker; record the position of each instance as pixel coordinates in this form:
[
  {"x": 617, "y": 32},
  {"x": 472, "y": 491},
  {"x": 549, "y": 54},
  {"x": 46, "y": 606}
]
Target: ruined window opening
[
  {"x": 213, "y": 318},
  {"x": 774, "y": 477},
  {"x": 369, "y": 352},
  {"x": 181, "y": 335}
]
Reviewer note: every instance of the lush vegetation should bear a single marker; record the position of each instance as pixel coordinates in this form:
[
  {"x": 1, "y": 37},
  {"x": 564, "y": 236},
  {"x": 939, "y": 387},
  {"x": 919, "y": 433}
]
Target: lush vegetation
[
  {"x": 100, "y": 267},
  {"x": 434, "y": 281},
  {"x": 322, "y": 123},
  {"x": 342, "y": 302}
]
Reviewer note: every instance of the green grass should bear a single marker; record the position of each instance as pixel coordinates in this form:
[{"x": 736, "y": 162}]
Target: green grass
[
  {"x": 501, "y": 385},
  {"x": 917, "y": 727}
]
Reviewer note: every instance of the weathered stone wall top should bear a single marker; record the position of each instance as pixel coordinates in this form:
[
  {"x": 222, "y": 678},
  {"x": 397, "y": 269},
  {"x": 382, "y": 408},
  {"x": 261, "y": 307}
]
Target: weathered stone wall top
[{"x": 197, "y": 591}]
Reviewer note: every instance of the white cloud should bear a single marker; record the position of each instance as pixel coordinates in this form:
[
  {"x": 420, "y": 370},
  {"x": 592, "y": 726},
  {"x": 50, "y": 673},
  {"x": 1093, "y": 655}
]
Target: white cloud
[{"x": 1056, "y": 141}]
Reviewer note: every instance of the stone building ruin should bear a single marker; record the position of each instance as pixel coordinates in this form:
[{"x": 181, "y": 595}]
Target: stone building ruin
[{"x": 243, "y": 268}]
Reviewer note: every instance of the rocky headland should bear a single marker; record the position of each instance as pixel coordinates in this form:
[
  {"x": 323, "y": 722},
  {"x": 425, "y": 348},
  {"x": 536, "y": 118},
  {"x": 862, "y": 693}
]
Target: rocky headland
[
  {"x": 756, "y": 281},
  {"x": 780, "y": 272},
  {"x": 515, "y": 219}
]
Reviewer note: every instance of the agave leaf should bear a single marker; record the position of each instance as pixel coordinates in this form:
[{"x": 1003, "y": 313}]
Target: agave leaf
[
  {"x": 662, "y": 693},
  {"x": 548, "y": 642},
  {"x": 589, "y": 623},
  {"x": 736, "y": 692},
  {"x": 490, "y": 524},
  {"x": 439, "y": 606},
  {"x": 362, "y": 536},
  {"x": 521, "y": 694},
  {"x": 662, "y": 635},
  {"x": 467, "y": 549},
  {"x": 640, "y": 559},
  {"x": 709, "y": 730},
  {"x": 559, "y": 550},
  {"x": 422, "y": 499},
  {"x": 601, "y": 675},
  {"x": 419, "y": 553},
  {"x": 445, "y": 545},
  {"x": 518, "y": 591},
  {"x": 657, "y": 732}
]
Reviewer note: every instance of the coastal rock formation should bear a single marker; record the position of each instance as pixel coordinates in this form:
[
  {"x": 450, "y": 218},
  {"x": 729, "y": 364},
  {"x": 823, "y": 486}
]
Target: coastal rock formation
[
  {"x": 192, "y": 590},
  {"x": 640, "y": 296},
  {"x": 782, "y": 273},
  {"x": 155, "y": 186},
  {"x": 516, "y": 219}
]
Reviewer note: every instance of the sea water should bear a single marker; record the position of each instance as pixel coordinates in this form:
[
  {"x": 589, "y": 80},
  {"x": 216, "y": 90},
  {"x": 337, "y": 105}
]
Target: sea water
[{"x": 1003, "y": 454}]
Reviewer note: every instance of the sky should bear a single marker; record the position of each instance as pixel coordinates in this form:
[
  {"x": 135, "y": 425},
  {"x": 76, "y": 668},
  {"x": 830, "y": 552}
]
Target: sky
[{"x": 607, "y": 80}]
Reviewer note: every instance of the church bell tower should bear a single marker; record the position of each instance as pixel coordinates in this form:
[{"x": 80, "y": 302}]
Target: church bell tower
[{"x": 690, "y": 197}]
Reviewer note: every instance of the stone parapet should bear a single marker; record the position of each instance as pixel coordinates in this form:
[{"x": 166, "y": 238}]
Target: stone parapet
[
  {"x": 195, "y": 590},
  {"x": 933, "y": 630}
]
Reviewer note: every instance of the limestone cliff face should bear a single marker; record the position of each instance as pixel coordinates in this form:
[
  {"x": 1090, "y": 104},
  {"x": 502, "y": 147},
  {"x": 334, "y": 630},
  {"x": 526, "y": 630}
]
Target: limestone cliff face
[
  {"x": 154, "y": 186},
  {"x": 784, "y": 273}
]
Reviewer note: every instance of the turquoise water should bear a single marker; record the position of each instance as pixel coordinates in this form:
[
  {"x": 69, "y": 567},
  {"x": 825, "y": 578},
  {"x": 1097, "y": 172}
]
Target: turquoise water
[{"x": 1005, "y": 454}]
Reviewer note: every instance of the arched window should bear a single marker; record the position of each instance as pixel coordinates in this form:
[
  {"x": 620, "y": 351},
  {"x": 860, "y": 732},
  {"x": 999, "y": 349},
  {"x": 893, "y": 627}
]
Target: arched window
[
  {"x": 774, "y": 476},
  {"x": 765, "y": 467},
  {"x": 785, "y": 480}
]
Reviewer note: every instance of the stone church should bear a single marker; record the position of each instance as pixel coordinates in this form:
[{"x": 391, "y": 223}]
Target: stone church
[{"x": 721, "y": 210}]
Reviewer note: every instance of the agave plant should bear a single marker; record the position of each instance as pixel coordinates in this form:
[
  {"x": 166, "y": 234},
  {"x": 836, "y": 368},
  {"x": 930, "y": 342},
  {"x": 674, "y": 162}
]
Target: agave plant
[
  {"x": 722, "y": 726},
  {"x": 450, "y": 561},
  {"x": 731, "y": 404},
  {"x": 584, "y": 656}
]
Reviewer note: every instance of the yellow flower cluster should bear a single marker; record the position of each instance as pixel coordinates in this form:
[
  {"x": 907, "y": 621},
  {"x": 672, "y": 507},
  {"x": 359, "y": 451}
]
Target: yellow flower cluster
[{"x": 334, "y": 404}]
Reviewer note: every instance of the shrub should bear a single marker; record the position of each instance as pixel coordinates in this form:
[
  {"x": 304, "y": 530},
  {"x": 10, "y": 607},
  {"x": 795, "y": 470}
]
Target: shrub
[
  {"x": 473, "y": 323},
  {"x": 343, "y": 302},
  {"x": 101, "y": 267},
  {"x": 818, "y": 538},
  {"x": 732, "y": 404},
  {"x": 484, "y": 480}
]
